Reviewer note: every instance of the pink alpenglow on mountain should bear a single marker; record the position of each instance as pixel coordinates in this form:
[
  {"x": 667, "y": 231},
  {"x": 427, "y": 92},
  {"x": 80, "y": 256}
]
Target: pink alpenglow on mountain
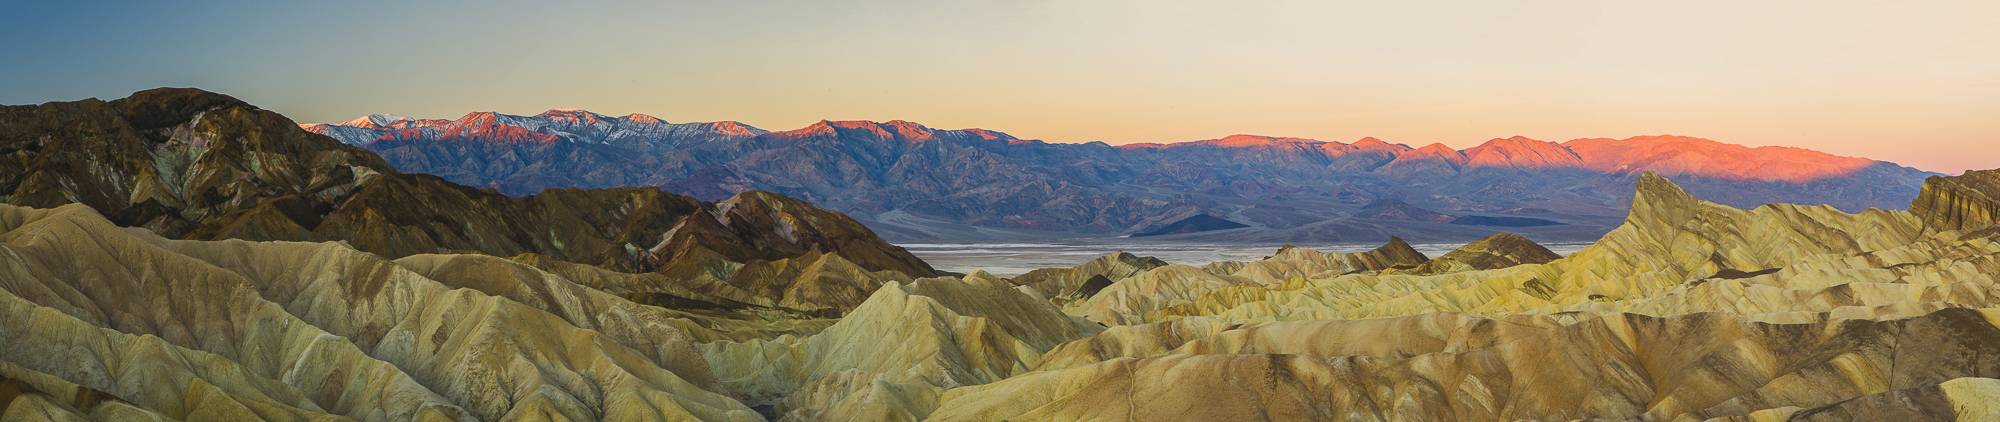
[
  {"x": 1433, "y": 157},
  {"x": 904, "y": 131},
  {"x": 908, "y": 179},
  {"x": 1521, "y": 152},
  {"x": 1680, "y": 155}
]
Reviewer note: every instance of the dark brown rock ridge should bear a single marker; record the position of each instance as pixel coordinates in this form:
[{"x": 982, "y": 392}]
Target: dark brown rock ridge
[
  {"x": 757, "y": 225},
  {"x": 1970, "y": 201},
  {"x": 1392, "y": 209},
  {"x": 1081, "y": 281},
  {"x": 1501, "y": 250},
  {"x": 1397, "y": 252},
  {"x": 191, "y": 164},
  {"x": 1192, "y": 224}
]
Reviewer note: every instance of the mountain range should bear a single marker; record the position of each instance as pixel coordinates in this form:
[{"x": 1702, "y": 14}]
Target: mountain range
[
  {"x": 912, "y": 182},
  {"x": 190, "y": 164}
]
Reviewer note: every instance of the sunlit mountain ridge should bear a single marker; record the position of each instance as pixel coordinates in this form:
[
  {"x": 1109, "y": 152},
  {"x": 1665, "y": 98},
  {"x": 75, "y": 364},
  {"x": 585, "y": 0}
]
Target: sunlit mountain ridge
[{"x": 911, "y": 181}]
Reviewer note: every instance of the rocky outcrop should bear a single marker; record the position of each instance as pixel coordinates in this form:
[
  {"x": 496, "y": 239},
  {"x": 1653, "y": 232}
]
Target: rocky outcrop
[
  {"x": 1614, "y": 367},
  {"x": 1192, "y": 224},
  {"x": 722, "y": 310},
  {"x": 178, "y": 162},
  {"x": 822, "y": 284},
  {"x": 31, "y": 395},
  {"x": 1081, "y": 281},
  {"x": 755, "y": 226},
  {"x": 1501, "y": 250},
  {"x": 1965, "y": 202},
  {"x": 290, "y": 330},
  {"x": 947, "y": 333},
  {"x": 1152, "y": 294},
  {"x": 77, "y": 285},
  {"x": 1965, "y": 399},
  {"x": 1670, "y": 242},
  {"x": 1690, "y": 310},
  {"x": 1295, "y": 262}
]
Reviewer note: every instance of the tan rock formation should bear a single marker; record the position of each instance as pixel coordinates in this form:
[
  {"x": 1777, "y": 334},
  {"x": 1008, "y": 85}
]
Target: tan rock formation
[
  {"x": 1294, "y": 262},
  {"x": 1670, "y": 241},
  {"x": 1082, "y": 281},
  {"x": 125, "y": 298},
  {"x": 1501, "y": 250},
  {"x": 1965, "y": 399},
  {"x": 1620, "y": 366},
  {"x": 1140, "y": 297},
  {"x": 889, "y": 358},
  {"x": 1689, "y": 311},
  {"x": 1841, "y": 316},
  {"x": 725, "y": 311},
  {"x": 280, "y": 328},
  {"x": 1966, "y": 202},
  {"x": 818, "y": 283}
]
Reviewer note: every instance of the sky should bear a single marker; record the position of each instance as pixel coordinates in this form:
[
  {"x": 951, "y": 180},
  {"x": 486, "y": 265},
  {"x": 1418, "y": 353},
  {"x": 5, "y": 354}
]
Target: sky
[{"x": 1917, "y": 84}]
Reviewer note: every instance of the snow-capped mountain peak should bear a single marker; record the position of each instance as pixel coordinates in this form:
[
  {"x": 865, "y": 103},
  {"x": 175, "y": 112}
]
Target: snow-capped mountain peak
[
  {"x": 376, "y": 120},
  {"x": 554, "y": 125},
  {"x": 645, "y": 119}
]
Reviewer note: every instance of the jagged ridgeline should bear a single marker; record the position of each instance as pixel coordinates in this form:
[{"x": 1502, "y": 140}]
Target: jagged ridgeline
[
  {"x": 1689, "y": 310},
  {"x": 914, "y": 182},
  {"x": 191, "y": 164},
  {"x": 138, "y": 281}
]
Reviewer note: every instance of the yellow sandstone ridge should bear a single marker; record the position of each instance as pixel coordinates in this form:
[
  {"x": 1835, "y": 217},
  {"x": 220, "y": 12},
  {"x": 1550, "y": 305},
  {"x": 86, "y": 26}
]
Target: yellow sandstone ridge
[
  {"x": 890, "y": 357},
  {"x": 1688, "y": 311},
  {"x": 289, "y": 328}
]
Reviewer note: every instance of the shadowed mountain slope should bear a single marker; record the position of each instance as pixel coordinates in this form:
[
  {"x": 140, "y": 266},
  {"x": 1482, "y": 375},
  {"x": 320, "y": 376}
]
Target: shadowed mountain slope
[{"x": 192, "y": 164}]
